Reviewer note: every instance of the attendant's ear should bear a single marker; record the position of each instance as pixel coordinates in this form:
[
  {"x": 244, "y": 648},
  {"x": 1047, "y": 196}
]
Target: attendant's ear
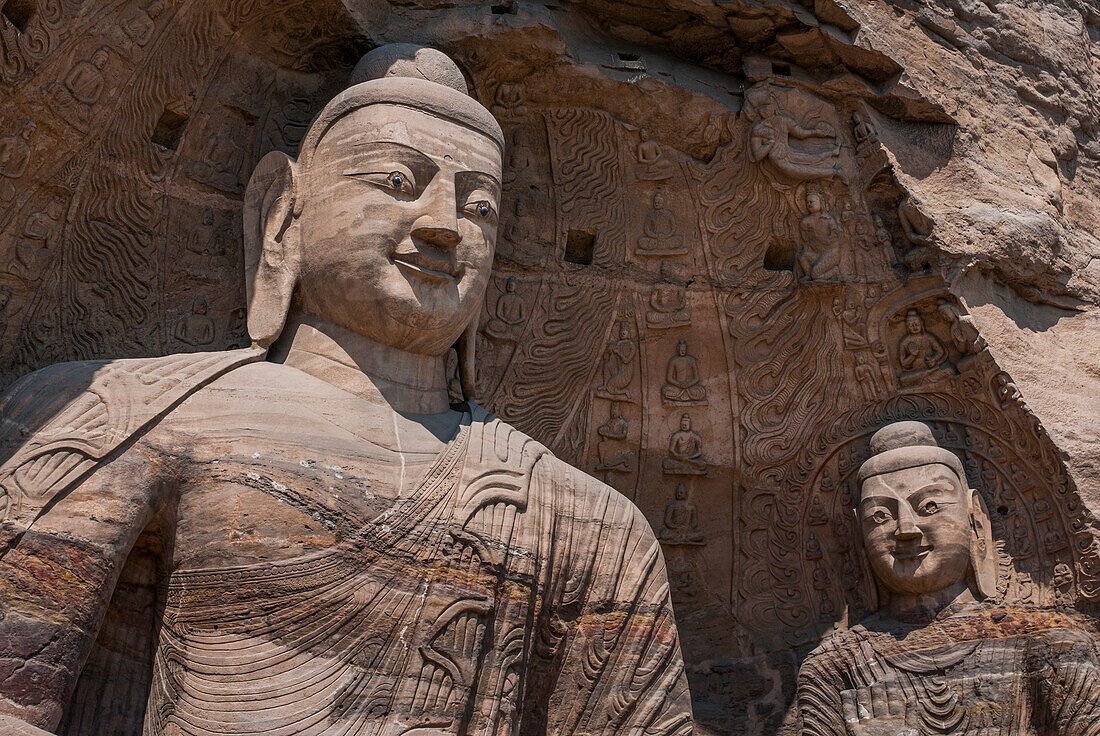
[
  {"x": 271, "y": 245},
  {"x": 983, "y": 555}
]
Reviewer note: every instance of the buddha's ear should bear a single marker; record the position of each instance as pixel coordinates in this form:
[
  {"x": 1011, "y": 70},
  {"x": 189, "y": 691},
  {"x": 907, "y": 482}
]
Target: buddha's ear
[
  {"x": 875, "y": 594},
  {"x": 271, "y": 245},
  {"x": 983, "y": 555},
  {"x": 467, "y": 362}
]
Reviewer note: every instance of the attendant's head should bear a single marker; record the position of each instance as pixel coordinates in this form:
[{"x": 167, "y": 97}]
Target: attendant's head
[
  {"x": 386, "y": 223},
  {"x": 924, "y": 529}
]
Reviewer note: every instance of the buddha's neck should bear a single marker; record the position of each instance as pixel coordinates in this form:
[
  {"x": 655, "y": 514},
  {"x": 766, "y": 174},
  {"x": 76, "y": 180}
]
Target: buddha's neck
[
  {"x": 924, "y": 607},
  {"x": 410, "y": 383}
]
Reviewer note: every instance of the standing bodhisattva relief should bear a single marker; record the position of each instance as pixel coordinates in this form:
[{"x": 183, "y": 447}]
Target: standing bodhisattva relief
[{"x": 343, "y": 551}]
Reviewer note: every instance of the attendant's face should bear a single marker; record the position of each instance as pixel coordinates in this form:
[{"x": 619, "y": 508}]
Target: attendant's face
[
  {"x": 398, "y": 226},
  {"x": 916, "y": 528}
]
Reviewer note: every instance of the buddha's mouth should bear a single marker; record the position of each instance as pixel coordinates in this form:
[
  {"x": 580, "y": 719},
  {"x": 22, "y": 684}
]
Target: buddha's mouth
[
  {"x": 912, "y": 553},
  {"x": 432, "y": 268}
]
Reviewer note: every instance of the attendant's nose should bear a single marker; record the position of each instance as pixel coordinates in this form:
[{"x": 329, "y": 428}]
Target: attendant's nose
[
  {"x": 907, "y": 524},
  {"x": 438, "y": 223}
]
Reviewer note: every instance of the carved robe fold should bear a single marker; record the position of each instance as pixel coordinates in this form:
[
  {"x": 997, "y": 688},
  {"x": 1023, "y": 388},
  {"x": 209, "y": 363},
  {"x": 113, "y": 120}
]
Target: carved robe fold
[
  {"x": 980, "y": 670},
  {"x": 507, "y": 593}
]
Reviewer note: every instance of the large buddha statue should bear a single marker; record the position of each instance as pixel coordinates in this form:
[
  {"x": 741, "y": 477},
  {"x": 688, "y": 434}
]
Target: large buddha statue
[
  {"x": 939, "y": 656},
  {"x": 343, "y": 551}
]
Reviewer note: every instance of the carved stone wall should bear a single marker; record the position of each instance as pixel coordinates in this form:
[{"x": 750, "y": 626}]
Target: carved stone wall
[{"x": 718, "y": 273}]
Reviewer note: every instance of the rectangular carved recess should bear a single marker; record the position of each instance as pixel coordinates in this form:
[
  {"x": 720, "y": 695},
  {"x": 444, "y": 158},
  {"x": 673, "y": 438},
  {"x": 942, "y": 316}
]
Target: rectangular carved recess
[
  {"x": 18, "y": 13},
  {"x": 579, "y": 246},
  {"x": 169, "y": 129}
]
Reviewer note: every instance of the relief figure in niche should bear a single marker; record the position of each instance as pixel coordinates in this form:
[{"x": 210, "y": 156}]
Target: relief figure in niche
[
  {"x": 685, "y": 451},
  {"x": 964, "y": 332},
  {"x": 652, "y": 164},
  {"x": 220, "y": 164},
  {"x": 819, "y": 257},
  {"x": 667, "y": 302},
  {"x": 659, "y": 236},
  {"x": 32, "y": 248},
  {"x": 681, "y": 524},
  {"x": 921, "y": 354},
  {"x": 15, "y": 155},
  {"x": 863, "y": 130},
  {"x": 683, "y": 381},
  {"x": 511, "y": 101},
  {"x": 195, "y": 329},
  {"x": 618, "y": 366},
  {"x": 940, "y": 656},
  {"x": 853, "y": 326},
  {"x": 774, "y": 137},
  {"x": 917, "y": 227},
  {"x": 82, "y": 88},
  {"x": 613, "y": 456},
  {"x": 140, "y": 22},
  {"x": 397, "y": 563},
  {"x": 508, "y": 317},
  {"x": 526, "y": 243}
]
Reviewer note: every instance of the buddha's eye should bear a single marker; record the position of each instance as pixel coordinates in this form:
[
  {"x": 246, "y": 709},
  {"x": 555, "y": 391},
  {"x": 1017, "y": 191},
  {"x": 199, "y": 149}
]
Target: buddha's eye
[
  {"x": 879, "y": 516},
  {"x": 481, "y": 209},
  {"x": 929, "y": 507},
  {"x": 400, "y": 182}
]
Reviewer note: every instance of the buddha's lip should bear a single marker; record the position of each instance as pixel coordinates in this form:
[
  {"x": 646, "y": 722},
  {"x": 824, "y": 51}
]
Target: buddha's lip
[
  {"x": 433, "y": 268},
  {"x": 912, "y": 553}
]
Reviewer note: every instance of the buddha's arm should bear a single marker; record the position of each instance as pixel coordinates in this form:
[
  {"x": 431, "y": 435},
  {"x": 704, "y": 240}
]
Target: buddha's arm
[
  {"x": 1069, "y": 681},
  {"x": 621, "y": 670},
  {"x": 820, "y": 708},
  {"x": 57, "y": 578}
]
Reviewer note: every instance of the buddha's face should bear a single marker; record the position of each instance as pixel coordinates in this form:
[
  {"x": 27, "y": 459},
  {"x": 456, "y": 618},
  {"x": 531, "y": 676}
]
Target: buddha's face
[
  {"x": 814, "y": 203},
  {"x": 398, "y": 226},
  {"x": 917, "y": 528},
  {"x": 914, "y": 325},
  {"x": 685, "y": 423}
]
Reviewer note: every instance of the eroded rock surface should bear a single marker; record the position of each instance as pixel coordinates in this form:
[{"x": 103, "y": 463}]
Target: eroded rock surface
[{"x": 846, "y": 213}]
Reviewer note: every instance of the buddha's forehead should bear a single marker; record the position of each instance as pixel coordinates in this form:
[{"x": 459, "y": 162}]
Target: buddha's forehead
[
  {"x": 436, "y": 137},
  {"x": 908, "y": 481}
]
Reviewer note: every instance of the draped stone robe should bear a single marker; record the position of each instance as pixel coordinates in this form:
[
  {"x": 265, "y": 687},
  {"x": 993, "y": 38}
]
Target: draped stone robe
[
  {"x": 505, "y": 593},
  {"x": 979, "y": 670}
]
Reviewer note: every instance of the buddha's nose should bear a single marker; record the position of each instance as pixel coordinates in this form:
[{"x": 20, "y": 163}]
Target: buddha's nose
[{"x": 437, "y": 231}]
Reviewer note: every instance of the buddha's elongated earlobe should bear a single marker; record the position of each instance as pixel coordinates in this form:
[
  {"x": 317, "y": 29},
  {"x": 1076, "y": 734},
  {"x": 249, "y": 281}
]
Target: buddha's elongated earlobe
[
  {"x": 876, "y": 595},
  {"x": 467, "y": 362},
  {"x": 983, "y": 555},
  {"x": 271, "y": 245}
]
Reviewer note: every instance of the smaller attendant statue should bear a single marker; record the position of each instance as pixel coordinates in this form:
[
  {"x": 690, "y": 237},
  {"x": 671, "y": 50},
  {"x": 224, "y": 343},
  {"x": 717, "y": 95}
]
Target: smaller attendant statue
[
  {"x": 613, "y": 456},
  {"x": 939, "y": 657},
  {"x": 685, "y": 451}
]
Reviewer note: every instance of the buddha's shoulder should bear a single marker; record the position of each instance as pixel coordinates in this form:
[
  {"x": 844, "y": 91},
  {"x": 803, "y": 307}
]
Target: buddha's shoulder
[
  {"x": 108, "y": 397},
  {"x": 556, "y": 483}
]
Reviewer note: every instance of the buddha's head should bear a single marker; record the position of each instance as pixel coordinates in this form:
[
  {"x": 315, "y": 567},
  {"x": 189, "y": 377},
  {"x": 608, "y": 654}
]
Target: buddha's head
[
  {"x": 685, "y": 422},
  {"x": 658, "y": 200},
  {"x": 814, "y": 203},
  {"x": 914, "y": 325},
  {"x": 682, "y": 348},
  {"x": 681, "y": 491},
  {"x": 386, "y": 223},
  {"x": 924, "y": 529},
  {"x": 510, "y": 285}
]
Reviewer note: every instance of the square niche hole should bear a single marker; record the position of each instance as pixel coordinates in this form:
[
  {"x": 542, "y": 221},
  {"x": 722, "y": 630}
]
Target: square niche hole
[
  {"x": 579, "y": 245},
  {"x": 169, "y": 129},
  {"x": 18, "y": 13}
]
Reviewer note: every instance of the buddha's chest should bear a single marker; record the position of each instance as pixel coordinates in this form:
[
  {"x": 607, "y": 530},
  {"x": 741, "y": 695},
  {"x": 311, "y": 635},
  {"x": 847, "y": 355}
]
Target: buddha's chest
[{"x": 280, "y": 495}]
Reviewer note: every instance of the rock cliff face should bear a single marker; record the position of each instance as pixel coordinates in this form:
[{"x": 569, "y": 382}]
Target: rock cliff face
[{"x": 737, "y": 238}]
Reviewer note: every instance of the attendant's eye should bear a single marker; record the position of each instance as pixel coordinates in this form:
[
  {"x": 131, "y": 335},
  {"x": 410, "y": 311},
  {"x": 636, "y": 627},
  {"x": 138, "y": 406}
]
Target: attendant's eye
[{"x": 481, "y": 209}]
